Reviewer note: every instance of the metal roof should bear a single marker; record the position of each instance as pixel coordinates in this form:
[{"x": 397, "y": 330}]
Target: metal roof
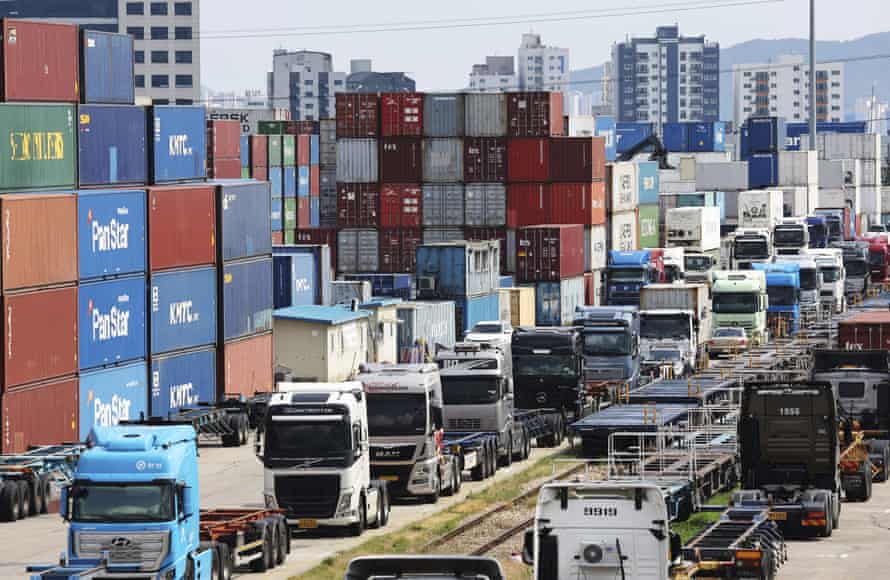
[{"x": 321, "y": 314}]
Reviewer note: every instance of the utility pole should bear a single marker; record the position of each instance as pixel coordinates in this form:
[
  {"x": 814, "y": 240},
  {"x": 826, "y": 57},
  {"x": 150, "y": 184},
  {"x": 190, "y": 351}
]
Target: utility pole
[{"x": 812, "y": 75}]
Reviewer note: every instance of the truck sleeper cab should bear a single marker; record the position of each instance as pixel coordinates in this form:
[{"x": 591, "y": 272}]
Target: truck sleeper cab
[
  {"x": 611, "y": 343},
  {"x": 751, "y": 246},
  {"x": 628, "y": 271},
  {"x": 740, "y": 299},
  {"x": 783, "y": 292}
]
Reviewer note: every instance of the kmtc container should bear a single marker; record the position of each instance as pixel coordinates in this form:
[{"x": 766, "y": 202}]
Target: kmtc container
[
  {"x": 112, "y": 146},
  {"x": 246, "y": 367},
  {"x": 401, "y": 159},
  {"x": 443, "y": 204},
  {"x": 549, "y": 253},
  {"x": 244, "y": 229},
  {"x": 485, "y": 204},
  {"x": 401, "y": 114},
  {"x": 457, "y": 269},
  {"x": 555, "y": 302},
  {"x": 427, "y": 323},
  {"x": 38, "y": 149},
  {"x": 246, "y": 298},
  {"x": 181, "y": 226},
  {"x": 486, "y": 114},
  {"x": 357, "y": 160},
  {"x": 55, "y": 421},
  {"x": 358, "y": 204},
  {"x": 40, "y": 61},
  {"x": 178, "y": 143},
  {"x": 485, "y": 159},
  {"x": 535, "y": 114},
  {"x": 111, "y": 322},
  {"x": 357, "y": 250},
  {"x": 111, "y": 233},
  {"x": 528, "y": 160},
  {"x": 398, "y": 249},
  {"x": 443, "y": 160},
  {"x": 181, "y": 380},
  {"x": 183, "y": 309},
  {"x": 39, "y": 240},
  {"x": 109, "y": 396},
  {"x": 443, "y": 115},
  {"x": 577, "y": 159},
  {"x": 358, "y": 115},
  {"x": 106, "y": 68},
  {"x": 472, "y": 310},
  {"x": 40, "y": 336},
  {"x": 400, "y": 206}
]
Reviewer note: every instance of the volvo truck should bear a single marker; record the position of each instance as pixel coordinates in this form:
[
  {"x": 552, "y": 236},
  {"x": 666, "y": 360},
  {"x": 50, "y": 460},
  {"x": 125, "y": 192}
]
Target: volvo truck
[
  {"x": 611, "y": 348},
  {"x": 740, "y": 299}
]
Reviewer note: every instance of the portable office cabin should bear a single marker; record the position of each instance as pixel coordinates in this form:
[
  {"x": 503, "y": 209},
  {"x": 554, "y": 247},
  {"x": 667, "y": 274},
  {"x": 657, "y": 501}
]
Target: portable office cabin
[
  {"x": 458, "y": 269},
  {"x": 384, "y": 327}
]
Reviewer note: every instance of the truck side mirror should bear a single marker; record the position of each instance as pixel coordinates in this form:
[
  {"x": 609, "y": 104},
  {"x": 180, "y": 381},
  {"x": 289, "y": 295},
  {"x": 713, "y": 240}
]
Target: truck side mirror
[
  {"x": 63, "y": 502},
  {"x": 676, "y": 546},
  {"x": 528, "y": 548},
  {"x": 188, "y": 501}
]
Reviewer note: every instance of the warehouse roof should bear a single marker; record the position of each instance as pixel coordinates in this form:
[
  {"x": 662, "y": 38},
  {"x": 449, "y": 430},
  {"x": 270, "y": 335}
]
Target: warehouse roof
[{"x": 321, "y": 314}]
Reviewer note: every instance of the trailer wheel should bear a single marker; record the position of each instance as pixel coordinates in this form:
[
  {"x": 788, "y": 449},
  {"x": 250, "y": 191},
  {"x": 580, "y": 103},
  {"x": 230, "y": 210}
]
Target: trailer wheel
[
  {"x": 867, "y": 480},
  {"x": 492, "y": 459},
  {"x": 43, "y": 493},
  {"x": 506, "y": 460},
  {"x": 458, "y": 476},
  {"x": 24, "y": 499},
  {"x": 826, "y": 531},
  {"x": 9, "y": 501},
  {"x": 224, "y": 556},
  {"x": 384, "y": 493},
  {"x": 233, "y": 439},
  {"x": 283, "y": 542},
  {"x": 272, "y": 534},
  {"x": 526, "y": 446}
]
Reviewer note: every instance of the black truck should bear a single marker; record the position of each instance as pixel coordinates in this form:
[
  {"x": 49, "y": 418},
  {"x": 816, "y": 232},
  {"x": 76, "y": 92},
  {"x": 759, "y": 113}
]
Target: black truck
[
  {"x": 790, "y": 454},
  {"x": 548, "y": 376}
]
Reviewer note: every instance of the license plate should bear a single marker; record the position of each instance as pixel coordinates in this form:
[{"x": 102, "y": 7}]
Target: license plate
[
  {"x": 389, "y": 477},
  {"x": 307, "y": 524},
  {"x": 778, "y": 516}
]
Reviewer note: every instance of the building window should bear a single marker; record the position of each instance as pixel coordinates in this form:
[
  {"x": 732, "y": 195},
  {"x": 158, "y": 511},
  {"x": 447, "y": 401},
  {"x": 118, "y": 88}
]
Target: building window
[
  {"x": 185, "y": 102},
  {"x": 160, "y": 33},
  {"x": 140, "y": 81},
  {"x": 308, "y": 82},
  {"x": 160, "y": 101},
  {"x": 135, "y": 8},
  {"x": 184, "y": 81},
  {"x": 137, "y": 32},
  {"x": 183, "y": 57},
  {"x": 160, "y": 81},
  {"x": 158, "y": 8},
  {"x": 139, "y": 57},
  {"x": 182, "y": 8},
  {"x": 183, "y": 33},
  {"x": 160, "y": 57}
]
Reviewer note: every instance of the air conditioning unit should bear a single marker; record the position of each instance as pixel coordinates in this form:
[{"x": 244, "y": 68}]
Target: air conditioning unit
[
  {"x": 600, "y": 554},
  {"x": 426, "y": 285}
]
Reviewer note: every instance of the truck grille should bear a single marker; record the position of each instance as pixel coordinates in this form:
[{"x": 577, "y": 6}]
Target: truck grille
[
  {"x": 146, "y": 550},
  {"x": 464, "y": 424},
  {"x": 308, "y": 496},
  {"x": 827, "y": 294},
  {"x": 394, "y": 453}
]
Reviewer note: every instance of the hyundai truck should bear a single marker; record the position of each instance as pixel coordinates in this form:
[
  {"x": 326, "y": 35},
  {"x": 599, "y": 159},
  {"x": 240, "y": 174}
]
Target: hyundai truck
[
  {"x": 831, "y": 267},
  {"x": 791, "y": 236},
  {"x": 751, "y": 246},
  {"x": 611, "y": 348},
  {"x": 740, "y": 299},
  {"x": 627, "y": 272},
  {"x": 817, "y": 226},
  {"x": 675, "y": 317},
  {"x": 316, "y": 457},
  {"x": 783, "y": 291},
  {"x": 856, "y": 267}
]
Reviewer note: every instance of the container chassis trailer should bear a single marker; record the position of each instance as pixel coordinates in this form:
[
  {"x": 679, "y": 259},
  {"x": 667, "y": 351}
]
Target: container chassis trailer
[{"x": 27, "y": 479}]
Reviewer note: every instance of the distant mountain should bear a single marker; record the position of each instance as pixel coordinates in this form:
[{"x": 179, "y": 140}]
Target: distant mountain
[{"x": 587, "y": 80}]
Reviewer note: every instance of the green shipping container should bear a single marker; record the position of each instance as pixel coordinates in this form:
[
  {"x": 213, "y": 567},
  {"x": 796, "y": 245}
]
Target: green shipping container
[
  {"x": 38, "y": 149},
  {"x": 271, "y": 127},
  {"x": 289, "y": 150},
  {"x": 245, "y": 173},
  {"x": 290, "y": 213},
  {"x": 274, "y": 151},
  {"x": 290, "y": 237},
  {"x": 649, "y": 226}
]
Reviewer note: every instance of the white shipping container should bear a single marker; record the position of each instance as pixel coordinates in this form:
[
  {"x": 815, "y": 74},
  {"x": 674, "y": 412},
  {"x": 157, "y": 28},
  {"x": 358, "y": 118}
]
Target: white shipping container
[
  {"x": 812, "y": 198},
  {"x": 724, "y": 176},
  {"x": 687, "y": 168},
  {"x": 443, "y": 160},
  {"x": 625, "y": 186},
  {"x": 760, "y": 208},
  {"x": 693, "y": 227},
  {"x": 624, "y": 231},
  {"x": 831, "y": 198},
  {"x": 700, "y": 157},
  {"x": 847, "y": 145},
  {"x": 357, "y": 160},
  {"x": 798, "y": 168},
  {"x": 667, "y": 187},
  {"x": 795, "y": 201},
  {"x": 582, "y": 126},
  {"x": 486, "y": 114},
  {"x": 870, "y": 200},
  {"x": 599, "y": 252},
  {"x": 870, "y": 172}
]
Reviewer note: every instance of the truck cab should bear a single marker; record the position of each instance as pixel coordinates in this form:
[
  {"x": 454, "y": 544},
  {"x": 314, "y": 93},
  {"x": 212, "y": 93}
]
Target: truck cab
[
  {"x": 699, "y": 266},
  {"x": 838, "y": 223},
  {"x": 861, "y": 381},
  {"x": 628, "y": 271},
  {"x": 810, "y": 286},
  {"x": 856, "y": 266},
  {"x": 751, "y": 246},
  {"x": 783, "y": 290},
  {"x": 740, "y": 299},
  {"x": 611, "y": 343},
  {"x": 817, "y": 227},
  {"x": 831, "y": 268},
  {"x": 315, "y": 454},
  {"x": 668, "y": 337},
  {"x": 674, "y": 264},
  {"x": 878, "y": 256},
  {"x": 791, "y": 236}
]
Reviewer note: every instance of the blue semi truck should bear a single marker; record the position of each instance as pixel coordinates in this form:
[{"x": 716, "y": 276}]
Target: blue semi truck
[
  {"x": 783, "y": 290},
  {"x": 628, "y": 271}
]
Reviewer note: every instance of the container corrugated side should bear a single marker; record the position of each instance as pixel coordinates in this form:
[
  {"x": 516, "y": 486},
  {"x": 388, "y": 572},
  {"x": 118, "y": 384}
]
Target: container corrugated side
[
  {"x": 245, "y": 367},
  {"x": 398, "y": 249},
  {"x": 244, "y": 229},
  {"x": 486, "y": 114},
  {"x": 443, "y": 160},
  {"x": 357, "y": 250},
  {"x": 485, "y": 159},
  {"x": 106, "y": 67},
  {"x": 40, "y": 61},
  {"x": 400, "y": 206},
  {"x": 181, "y": 380},
  {"x": 485, "y": 204},
  {"x": 181, "y": 226},
  {"x": 648, "y": 226},
  {"x": 357, "y": 160},
  {"x": 555, "y": 302},
  {"x": 528, "y": 160},
  {"x": 358, "y": 115},
  {"x": 527, "y": 204},
  {"x": 401, "y": 114},
  {"x": 56, "y": 421},
  {"x": 549, "y": 253},
  {"x": 111, "y": 237},
  {"x": 443, "y": 115},
  {"x": 179, "y": 143},
  {"x": 443, "y": 205},
  {"x": 109, "y": 396},
  {"x": 246, "y": 298},
  {"x": 111, "y": 322},
  {"x": 624, "y": 231},
  {"x": 428, "y": 323},
  {"x": 597, "y": 248},
  {"x": 38, "y": 147},
  {"x": 358, "y": 204},
  {"x": 183, "y": 306},
  {"x": 401, "y": 159},
  {"x": 112, "y": 148}
]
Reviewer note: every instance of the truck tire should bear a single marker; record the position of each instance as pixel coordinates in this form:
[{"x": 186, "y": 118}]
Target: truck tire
[
  {"x": 283, "y": 542},
  {"x": 24, "y": 499},
  {"x": 226, "y": 565},
  {"x": 492, "y": 458},
  {"x": 264, "y": 562},
  {"x": 387, "y": 506},
  {"x": 527, "y": 446},
  {"x": 478, "y": 473},
  {"x": 506, "y": 459},
  {"x": 9, "y": 501},
  {"x": 448, "y": 491},
  {"x": 358, "y": 528},
  {"x": 866, "y": 474},
  {"x": 458, "y": 476},
  {"x": 233, "y": 439},
  {"x": 43, "y": 493},
  {"x": 836, "y": 515},
  {"x": 273, "y": 534}
]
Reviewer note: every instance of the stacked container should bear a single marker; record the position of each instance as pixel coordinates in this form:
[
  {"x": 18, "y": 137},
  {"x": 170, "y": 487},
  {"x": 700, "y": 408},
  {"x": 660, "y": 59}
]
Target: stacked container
[
  {"x": 550, "y": 258},
  {"x": 649, "y": 221},
  {"x": 224, "y": 149},
  {"x": 762, "y": 138},
  {"x": 443, "y": 166},
  {"x": 624, "y": 199},
  {"x": 327, "y": 176}
]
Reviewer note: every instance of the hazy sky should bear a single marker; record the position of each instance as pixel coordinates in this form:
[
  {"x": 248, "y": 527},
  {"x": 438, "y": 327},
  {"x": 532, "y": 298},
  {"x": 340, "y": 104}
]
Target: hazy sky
[{"x": 441, "y": 59}]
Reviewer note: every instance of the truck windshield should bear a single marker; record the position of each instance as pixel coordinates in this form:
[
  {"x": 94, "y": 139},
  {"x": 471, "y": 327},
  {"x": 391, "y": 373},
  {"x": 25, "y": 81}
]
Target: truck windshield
[
  {"x": 751, "y": 249},
  {"x": 608, "y": 343},
  {"x": 781, "y": 295},
  {"x": 469, "y": 390},
  {"x": 834, "y": 228},
  {"x": 664, "y": 326},
  {"x": 817, "y": 232},
  {"x": 809, "y": 279},
  {"x": 698, "y": 263},
  {"x": 396, "y": 415},
  {"x": 626, "y": 274},
  {"x": 547, "y": 365},
  {"x": 303, "y": 439},
  {"x": 734, "y": 303},
  {"x": 830, "y": 274},
  {"x": 124, "y": 502},
  {"x": 789, "y": 236},
  {"x": 857, "y": 268},
  {"x": 876, "y": 258}
]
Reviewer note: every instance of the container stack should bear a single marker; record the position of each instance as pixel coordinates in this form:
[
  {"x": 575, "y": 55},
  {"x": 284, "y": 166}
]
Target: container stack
[
  {"x": 649, "y": 217},
  {"x": 443, "y": 167},
  {"x": 327, "y": 166},
  {"x": 623, "y": 196},
  {"x": 762, "y": 138},
  {"x": 550, "y": 258},
  {"x": 224, "y": 158},
  {"x": 864, "y": 151}
]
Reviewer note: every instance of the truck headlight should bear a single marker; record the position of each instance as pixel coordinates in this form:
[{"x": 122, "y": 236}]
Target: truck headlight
[{"x": 345, "y": 502}]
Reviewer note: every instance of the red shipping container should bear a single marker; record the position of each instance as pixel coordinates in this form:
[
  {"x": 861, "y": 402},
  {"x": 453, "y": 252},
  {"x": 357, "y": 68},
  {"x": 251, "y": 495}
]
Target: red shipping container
[
  {"x": 45, "y": 414},
  {"x": 314, "y": 181},
  {"x": 277, "y": 238},
  {"x": 226, "y": 168},
  {"x": 482, "y": 234},
  {"x": 577, "y": 203},
  {"x": 527, "y": 204},
  {"x": 303, "y": 149},
  {"x": 549, "y": 253},
  {"x": 357, "y": 115},
  {"x": 401, "y": 160},
  {"x": 246, "y": 367},
  {"x": 224, "y": 139},
  {"x": 528, "y": 160},
  {"x": 39, "y": 240},
  {"x": 398, "y": 249},
  {"x": 304, "y": 219},
  {"x": 260, "y": 173},
  {"x": 485, "y": 160},
  {"x": 534, "y": 114},
  {"x": 589, "y": 289},
  {"x": 866, "y": 330},
  {"x": 40, "y": 331},
  {"x": 181, "y": 226},
  {"x": 357, "y": 204},
  {"x": 401, "y": 206},
  {"x": 577, "y": 159},
  {"x": 259, "y": 151},
  {"x": 401, "y": 114},
  {"x": 40, "y": 61}
]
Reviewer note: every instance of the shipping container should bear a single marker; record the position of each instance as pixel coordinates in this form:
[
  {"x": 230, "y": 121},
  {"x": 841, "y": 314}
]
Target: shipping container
[
  {"x": 244, "y": 228},
  {"x": 555, "y": 302},
  {"x": 438, "y": 235},
  {"x": 37, "y": 147},
  {"x": 485, "y": 159},
  {"x": 457, "y": 269},
  {"x": 274, "y": 155},
  {"x": 319, "y": 236},
  {"x": 179, "y": 147},
  {"x": 443, "y": 205},
  {"x": 398, "y": 249},
  {"x": 486, "y": 114},
  {"x": 106, "y": 68},
  {"x": 182, "y": 380},
  {"x": 289, "y": 216},
  {"x": 576, "y": 203},
  {"x": 675, "y": 136},
  {"x": 39, "y": 240},
  {"x": 605, "y": 128},
  {"x": 528, "y": 160},
  {"x": 628, "y": 135},
  {"x": 32, "y": 353},
  {"x": 112, "y": 145},
  {"x": 244, "y": 151},
  {"x": 288, "y": 150},
  {"x": 648, "y": 226},
  {"x": 578, "y": 159},
  {"x": 308, "y": 275},
  {"x": 357, "y": 160},
  {"x": 314, "y": 212},
  {"x": 315, "y": 180},
  {"x": 865, "y": 330},
  {"x": 289, "y": 178},
  {"x": 183, "y": 309},
  {"x": 327, "y": 179},
  {"x": 358, "y": 115},
  {"x": 401, "y": 206},
  {"x": 224, "y": 168},
  {"x": 647, "y": 173},
  {"x": 40, "y": 61},
  {"x": 522, "y": 305},
  {"x": 534, "y": 114},
  {"x": 358, "y": 204},
  {"x": 596, "y": 248},
  {"x": 303, "y": 181},
  {"x": 722, "y": 176},
  {"x": 472, "y": 310},
  {"x": 304, "y": 153},
  {"x": 505, "y": 237},
  {"x": 401, "y": 159},
  {"x": 181, "y": 226},
  {"x": 443, "y": 160},
  {"x": 426, "y": 323},
  {"x": 357, "y": 250},
  {"x": 443, "y": 115},
  {"x": 624, "y": 231},
  {"x": 549, "y": 253},
  {"x": 795, "y": 201},
  {"x": 527, "y": 204},
  {"x": 401, "y": 114},
  {"x": 246, "y": 298},
  {"x": 763, "y": 170},
  {"x": 314, "y": 144},
  {"x": 111, "y": 395},
  {"x": 111, "y": 237},
  {"x": 393, "y": 285},
  {"x": 55, "y": 421},
  {"x": 276, "y": 181},
  {"x": 485, "y": 204},
  {"x": 259, "y": 150},
  {"x": 223, "y": 139},
  {"x": 794, "y": 132},
  {"x": 111, "y": 322},
  {"x": 625, "y": 186},
  {"x": 245, "y": 367},
  {"x": 763, "y": 135},
  {"x": 707, "y": 137},
  {"x": 327, "y": 210}
]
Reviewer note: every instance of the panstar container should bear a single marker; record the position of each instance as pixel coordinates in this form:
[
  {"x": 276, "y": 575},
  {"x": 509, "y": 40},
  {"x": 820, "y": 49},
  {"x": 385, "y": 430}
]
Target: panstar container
[
  {"x": 577, "y": 203},
  {"x": 358, "y": 115},
  {"x": 398, "y": 249},
  {"x": 181, "y": 380},
  {"x": 245, "y": 367},
  {"x": 400, "y": 206},
  {"x": 358, "y": 204},
  {"x": 183, "y": 308},
  {"x": 112, "y": 147},
  {"x": 178, "y": 144},
  {"x": 111, "y": 322},
  {"x": 527, "y": 204},
  {"x": 38, "y": 147},
  {"x": 485, "y": 159},
  {"x": 528, "y": 160},
  {"x": 534, "y": 114},
  {"x": 40, "y": 61},
  {"x": 577, "y": 159},
  {"x": 111, "y": 233},
  {"x": 401, "y": 159},
  {"x": 401, "y": 114},
  {"x": 549, "y": 253},
  {"x": 111, "y": 395},
  {"x": 246, "y": 298},
  {"x": 106, "y": 67},
  {"x": 181, "y": 226},
  {"x": 244, "y": 227},
  {"x": 55, "y": 422}
]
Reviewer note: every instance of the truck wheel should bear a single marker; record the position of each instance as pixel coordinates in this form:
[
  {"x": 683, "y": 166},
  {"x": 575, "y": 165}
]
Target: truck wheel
[
  {"x": 43, "y": 493},
  {"x": 9, "y": 501},
  {"x": 507, "y": 458},
  {"x": 264, "y": 562},
  {"x": 232, "y": 439},
  {"x": 527, "y": 447},
  {"x": 867, "y": 481},
  {"x": 272, "y": 533},
  {"x": 283, "y": 542},
  {"x": 836, "y": 514},
  {"x": 224, "y": 556},
  {"x": 24, "y": 499},
  {"x": 387, "y": 506},
  {"x": 358, "y": 528},
  {"x": 458, "y": 477},
  {"x": 478, "y": 472},
  {"x": 448, "y": 490},
  {"x": 492, "y": 458},
  {"x": 433, "y": 498}
]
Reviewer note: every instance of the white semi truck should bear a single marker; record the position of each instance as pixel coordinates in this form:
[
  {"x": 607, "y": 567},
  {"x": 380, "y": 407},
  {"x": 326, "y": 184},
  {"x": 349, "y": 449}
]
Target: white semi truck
[
  {"x": 674, "y": 318},
  {"x": 831, "y": 266},
  {"x": 697, "y": 231}
]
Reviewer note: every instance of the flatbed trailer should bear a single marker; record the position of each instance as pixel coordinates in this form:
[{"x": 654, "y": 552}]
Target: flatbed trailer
[
  {"x": 594, "y": 430},
  {"x": 228, "y": 421},
  {"x": 693, "y": 391},
  {"x": 28, "y": 480},
  {"x": 244, "y": 537}
]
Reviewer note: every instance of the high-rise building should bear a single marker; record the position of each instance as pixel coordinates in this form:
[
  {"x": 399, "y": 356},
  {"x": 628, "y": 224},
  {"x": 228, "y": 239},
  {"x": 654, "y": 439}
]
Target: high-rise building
[
  {"x": 304, "y": 82},
  {"x": 496, "y": 75},
  {"x": 362, "y": 79},
  {"x": 781, "y": 89},
  {"x": 542, "y": 68},
  {"x": 667, "y": 78},
  {"x": 92, "y": 14}
]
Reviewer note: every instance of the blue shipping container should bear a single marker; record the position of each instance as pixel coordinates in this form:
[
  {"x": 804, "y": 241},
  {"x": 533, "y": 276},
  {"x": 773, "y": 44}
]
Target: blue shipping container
[
  {"x": 277, "y": 208},
  {"x": 313, "y": 149},
  {"x": 321, "y": 258},
  {"x": 629, "y": 134},
  {"x": 245, "y": 151},
  {"x": 179, "y": 143},
  {"x": 506, "y": 281},
  {"x": 470, "y": 311},
  {"x": 276, "y": 179},
  {"x": 793, "y": 131},
  {"x": 106, "y": 68},
  {"x": 648, "y": 176},
  {"x": 765, "y": 134},
  {"x": 182, "y": 380},
  {"x": 303, "y": 181},
  {"x": 244, "y": 216},
  {"x": 111, "y": 322},
  {"x": 676, "y": 137},
  {"x": 112, "y": 147},
  {"x": 387, "y": 285},
  {"x": 296, "y": 280},
  {"x": 290, "y": 182},
  {"x": 314, "y": 212},
  {"x": 110, "y": 233},
  {"x": 707, "y": 137},
  {"x": 453, "y": 273},
  {"x": 183, "y": 309},
  {"x": 605, "y": 127},
  {"x": 109, "y": 396},
  {"x": 763, "y": 170},
  {"x": 555, "y": 302},
  {"x": 246, "y": 298}
]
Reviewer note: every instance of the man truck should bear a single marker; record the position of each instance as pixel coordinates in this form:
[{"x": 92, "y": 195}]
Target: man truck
[
  {"x": 740, "y": 299},
  {"x": 611, "y": 343}
]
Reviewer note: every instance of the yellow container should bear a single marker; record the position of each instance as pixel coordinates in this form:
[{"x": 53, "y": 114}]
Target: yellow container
[{"x": 521, "y": 303}]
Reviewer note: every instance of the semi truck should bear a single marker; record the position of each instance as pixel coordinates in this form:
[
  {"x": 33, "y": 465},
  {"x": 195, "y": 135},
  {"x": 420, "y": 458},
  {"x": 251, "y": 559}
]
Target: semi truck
[
  {"x": 611, "y": 348},
  {"x": 817, "y": 226},
  {"x": 315, "y": 452},
  {"x": 751, "y": 246},
  {"x": 697, "y": 231},
  {"x": 783, "y": 291},
  {"x": 674, "y": 264},
  {"x": 831, "y": 268},
  {"x": 856, "y": 267},
  {"x": 675, "y": 317},
  {"x": 132, "y": 510},
  {"x": 878, "y": 256},
  {"x": 628, "y": 271},
  {"x": 740, "y": 299},
  {"x": 791, "y": 236},
  {"x": 838, "y": 222}
]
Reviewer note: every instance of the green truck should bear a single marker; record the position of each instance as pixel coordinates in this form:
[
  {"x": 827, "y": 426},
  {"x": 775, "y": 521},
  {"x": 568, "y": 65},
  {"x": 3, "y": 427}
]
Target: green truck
[{"x": 740, "y": 300}]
